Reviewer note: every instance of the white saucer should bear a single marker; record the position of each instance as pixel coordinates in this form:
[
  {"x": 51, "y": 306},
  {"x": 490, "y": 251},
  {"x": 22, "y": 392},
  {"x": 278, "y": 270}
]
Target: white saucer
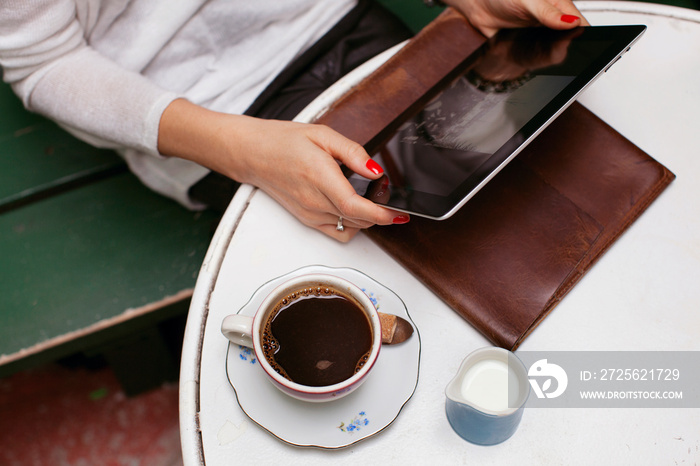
[{"x": 336, "y": 424}]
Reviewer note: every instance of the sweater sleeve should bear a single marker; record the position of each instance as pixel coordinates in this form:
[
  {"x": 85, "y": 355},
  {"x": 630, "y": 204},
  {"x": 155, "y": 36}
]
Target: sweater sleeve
[{"x": 47, "y": 61}]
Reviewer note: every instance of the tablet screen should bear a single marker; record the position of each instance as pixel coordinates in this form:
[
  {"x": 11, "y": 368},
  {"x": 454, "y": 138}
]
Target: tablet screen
[{"x": 473, "y": 124}]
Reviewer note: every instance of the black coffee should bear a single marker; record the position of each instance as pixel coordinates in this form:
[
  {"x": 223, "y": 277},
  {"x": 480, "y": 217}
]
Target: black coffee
[{"x": 317, "y": 336}]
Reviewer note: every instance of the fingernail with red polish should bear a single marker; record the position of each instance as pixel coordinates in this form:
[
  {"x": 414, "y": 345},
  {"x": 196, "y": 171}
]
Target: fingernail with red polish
[
  {"x": 569, "y": 18},
  {"x": 374, "y": 167},
  {"x": 401, "y": 219}
]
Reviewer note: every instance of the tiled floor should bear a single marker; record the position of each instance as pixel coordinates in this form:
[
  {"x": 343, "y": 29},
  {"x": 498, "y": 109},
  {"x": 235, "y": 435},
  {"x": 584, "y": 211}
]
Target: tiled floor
[{"x": 58, "y": 415}]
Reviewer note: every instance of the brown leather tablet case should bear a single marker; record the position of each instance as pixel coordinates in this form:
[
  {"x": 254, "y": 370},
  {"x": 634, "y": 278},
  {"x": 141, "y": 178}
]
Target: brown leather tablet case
[{"x": 515, "y": 249}]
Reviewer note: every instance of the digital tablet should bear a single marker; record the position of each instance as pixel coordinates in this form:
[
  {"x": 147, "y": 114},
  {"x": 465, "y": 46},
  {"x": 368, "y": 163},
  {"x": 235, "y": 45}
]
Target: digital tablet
[{"x": 463, "y": 132}]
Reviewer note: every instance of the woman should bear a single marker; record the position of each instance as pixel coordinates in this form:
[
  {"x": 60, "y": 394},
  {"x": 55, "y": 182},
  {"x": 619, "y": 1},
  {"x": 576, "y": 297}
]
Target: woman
[{"x": 193, "y": 93}]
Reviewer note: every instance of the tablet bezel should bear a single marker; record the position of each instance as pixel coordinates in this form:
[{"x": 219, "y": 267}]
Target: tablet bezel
[{"x": 442, "y": 207}]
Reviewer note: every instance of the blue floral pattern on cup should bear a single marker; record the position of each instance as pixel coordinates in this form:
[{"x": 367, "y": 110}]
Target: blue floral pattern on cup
[
  {"x": 356, "y": 424},
  {"x": 247, "y": 354}
]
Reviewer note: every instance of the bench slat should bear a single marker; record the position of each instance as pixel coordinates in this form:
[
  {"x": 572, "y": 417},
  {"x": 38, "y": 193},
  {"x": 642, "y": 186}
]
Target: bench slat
[
  {"x": 37, "y": 158},
  {"x": 120, "y": 247}
]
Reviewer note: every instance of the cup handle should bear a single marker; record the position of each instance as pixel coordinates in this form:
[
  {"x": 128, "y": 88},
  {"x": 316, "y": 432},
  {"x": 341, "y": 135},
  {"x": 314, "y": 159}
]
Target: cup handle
[{"x": 238, "y": 329}]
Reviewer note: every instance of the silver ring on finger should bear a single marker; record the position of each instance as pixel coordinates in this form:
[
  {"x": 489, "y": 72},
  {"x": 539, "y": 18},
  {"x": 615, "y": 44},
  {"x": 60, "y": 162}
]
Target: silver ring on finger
[{"x": 339, "y": 226}]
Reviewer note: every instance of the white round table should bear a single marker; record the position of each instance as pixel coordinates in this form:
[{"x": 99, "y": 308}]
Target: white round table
[{"x": 642, "y": 295}]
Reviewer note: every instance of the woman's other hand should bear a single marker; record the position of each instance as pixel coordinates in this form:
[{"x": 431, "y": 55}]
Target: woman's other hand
[{"x": 491, "y": 15}]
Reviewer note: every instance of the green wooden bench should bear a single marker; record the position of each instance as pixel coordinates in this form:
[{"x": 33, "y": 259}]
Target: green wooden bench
[{"x": 91, "y": 261}]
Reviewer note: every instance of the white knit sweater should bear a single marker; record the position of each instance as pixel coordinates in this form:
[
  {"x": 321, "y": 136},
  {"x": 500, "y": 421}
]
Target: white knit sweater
[{"x": 106, "y": 69}]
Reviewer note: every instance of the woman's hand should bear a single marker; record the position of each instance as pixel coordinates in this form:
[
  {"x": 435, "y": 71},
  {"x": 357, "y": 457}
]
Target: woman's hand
[
  {"x": 491, "y": 15},
  {"x": 295, "y": 163}
]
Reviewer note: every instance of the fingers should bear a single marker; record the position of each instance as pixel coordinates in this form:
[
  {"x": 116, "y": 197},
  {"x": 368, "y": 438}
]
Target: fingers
[
  {"x": 556, "y": 15},
  {"x": 343, "y": 236},
  {"x": 318, "y": 219},
  {"x": 334, "y": 197},
  {"x": 361, "y": 212},
  {"x": 348, "y": 152},
  {"x": 568, "y": 9},
  {"x": 491, "y": 15},
  {"x": 328, "y": 224},
  {"x": 312, "y": 185},
  {"x": 583, "y": 21}
]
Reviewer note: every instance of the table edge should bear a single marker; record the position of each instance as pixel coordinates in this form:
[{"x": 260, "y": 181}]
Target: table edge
[{"x": 190, "y": 367}]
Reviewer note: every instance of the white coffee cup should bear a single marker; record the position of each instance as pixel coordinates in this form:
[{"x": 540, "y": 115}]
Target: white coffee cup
[{"x": 248, "y": 331}]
